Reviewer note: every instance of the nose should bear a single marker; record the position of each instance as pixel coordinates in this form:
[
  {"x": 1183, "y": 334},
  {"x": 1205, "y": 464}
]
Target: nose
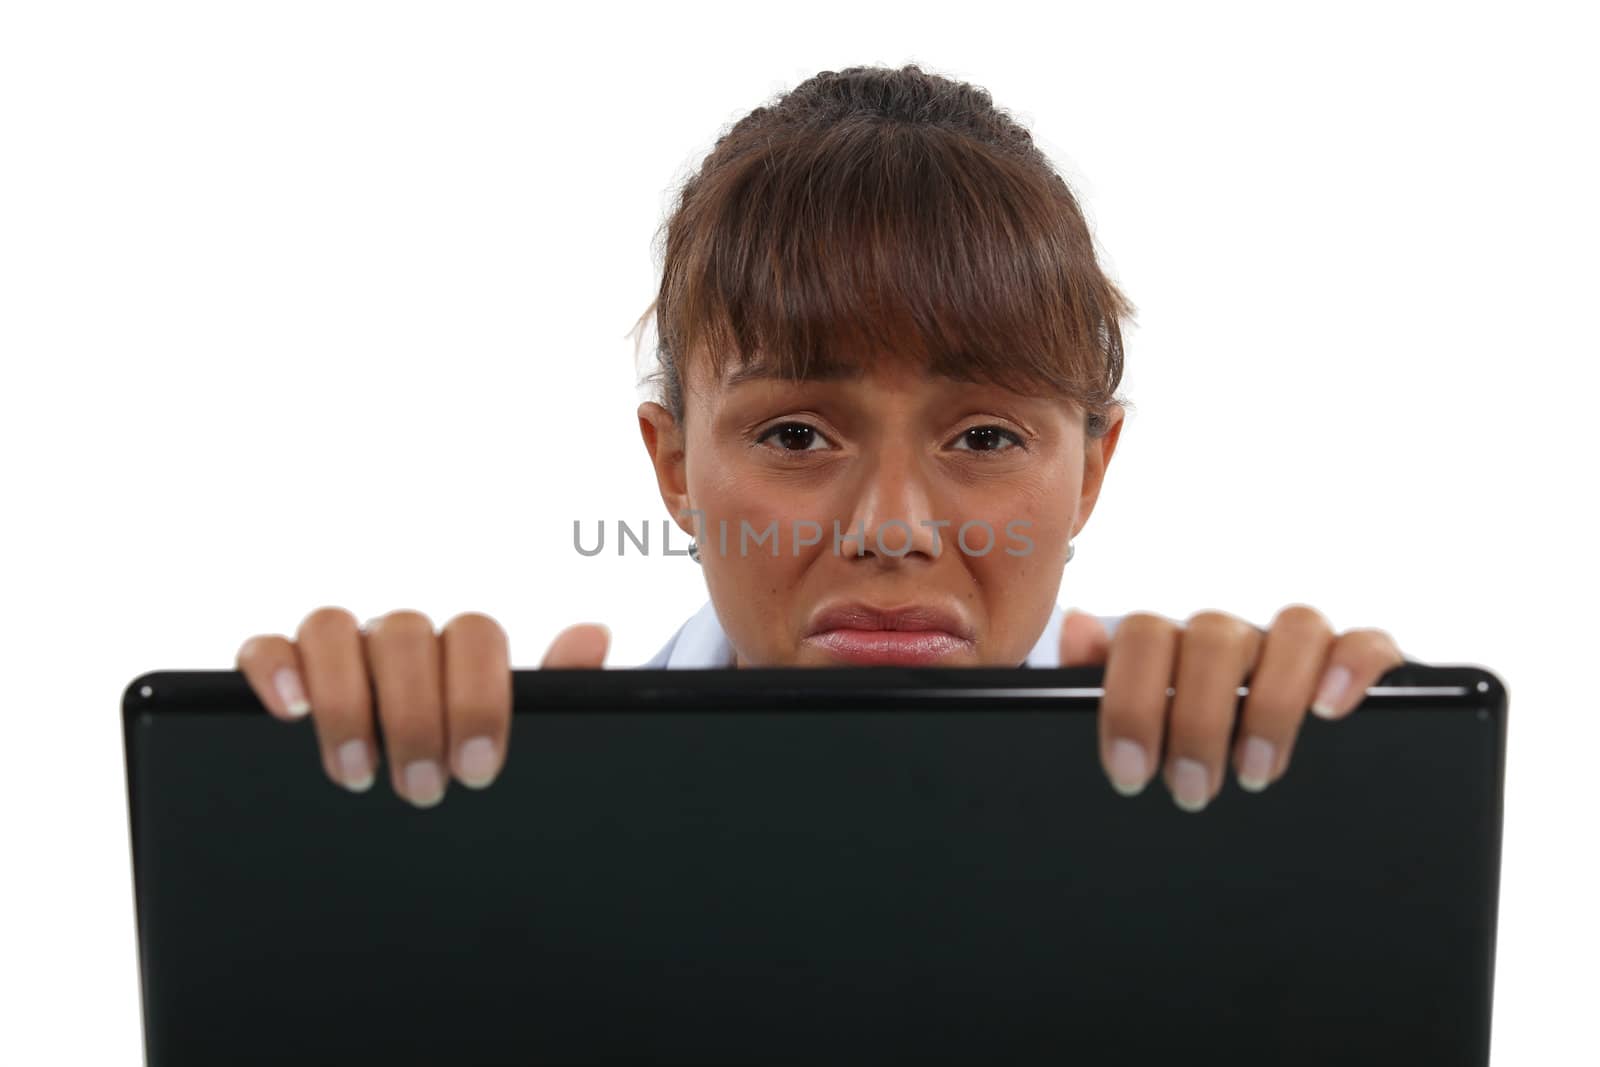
[{"x": 892, "y": 513}]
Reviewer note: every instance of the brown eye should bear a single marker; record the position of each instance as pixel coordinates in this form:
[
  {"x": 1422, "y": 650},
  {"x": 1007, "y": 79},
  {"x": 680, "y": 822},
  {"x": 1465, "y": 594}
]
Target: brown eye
[
  {"x": 794, "y": 437},
  {"x": 987, "y": 439}
]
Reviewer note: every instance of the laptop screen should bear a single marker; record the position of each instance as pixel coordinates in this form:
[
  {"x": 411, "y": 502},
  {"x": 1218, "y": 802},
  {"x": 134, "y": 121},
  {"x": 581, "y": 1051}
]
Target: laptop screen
[{"x": 801, "y": 866}]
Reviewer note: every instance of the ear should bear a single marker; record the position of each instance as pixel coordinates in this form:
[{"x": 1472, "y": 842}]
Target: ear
[
  {"x": 1096, "y": 457},
  {"x": 663, "y": 439}
]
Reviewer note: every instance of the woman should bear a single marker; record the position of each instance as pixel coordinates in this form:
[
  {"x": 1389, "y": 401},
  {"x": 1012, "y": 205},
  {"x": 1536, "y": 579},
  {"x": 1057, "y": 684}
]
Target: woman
[{"x": 888, "y": 361}]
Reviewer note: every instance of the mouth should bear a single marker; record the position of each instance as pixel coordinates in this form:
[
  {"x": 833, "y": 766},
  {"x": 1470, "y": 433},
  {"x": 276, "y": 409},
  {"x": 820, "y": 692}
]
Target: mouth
[{"x": 866, "y": 635}]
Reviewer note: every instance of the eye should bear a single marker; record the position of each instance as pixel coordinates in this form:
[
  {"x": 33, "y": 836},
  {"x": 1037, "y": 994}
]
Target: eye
[
  {"x": 987, "y": 439},
  {"x": 795, "y": 437}
]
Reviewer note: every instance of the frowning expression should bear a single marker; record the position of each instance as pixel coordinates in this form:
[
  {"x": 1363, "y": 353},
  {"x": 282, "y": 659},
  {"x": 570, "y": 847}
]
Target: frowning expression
[{"x": 879, "y": 515}]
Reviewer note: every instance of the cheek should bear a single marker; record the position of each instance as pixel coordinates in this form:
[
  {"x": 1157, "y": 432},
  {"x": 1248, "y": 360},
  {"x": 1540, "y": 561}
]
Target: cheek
[
  {"x": 743, "y": 517},
  {"x": 1028, "y": 545},
  {"x": 1039, "y": 510},
  {"x": 754, "y": 589},
  {"x": 1019, "y": 590}
]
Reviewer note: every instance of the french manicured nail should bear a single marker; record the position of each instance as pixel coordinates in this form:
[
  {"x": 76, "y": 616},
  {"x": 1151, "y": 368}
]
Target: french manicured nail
[
  {"x": 424, "y": 783},
  {"x": 1329, "y": 697},
  {"x": 478, "y": 762},
  {"x": 293, "y": 694},
  {"x": 1255, "y": 764},
  {"x": 1190, "y": 784},
  {"x": 1128, "y": 766},
  {"x": 355, "y": 765}
]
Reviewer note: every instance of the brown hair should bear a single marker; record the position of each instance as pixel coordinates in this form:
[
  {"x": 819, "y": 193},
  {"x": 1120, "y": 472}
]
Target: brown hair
[{"x": 892, "y": 212}]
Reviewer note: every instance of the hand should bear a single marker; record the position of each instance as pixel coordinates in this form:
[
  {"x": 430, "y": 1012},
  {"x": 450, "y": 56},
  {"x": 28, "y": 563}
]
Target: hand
[
  {"x": 1298, "y": 663},
  {"x": 435, "y": 694}
]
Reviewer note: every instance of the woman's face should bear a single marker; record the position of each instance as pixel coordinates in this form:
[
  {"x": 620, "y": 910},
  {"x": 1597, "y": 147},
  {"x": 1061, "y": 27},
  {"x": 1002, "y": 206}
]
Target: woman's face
[{"x": 952, "y": 502}]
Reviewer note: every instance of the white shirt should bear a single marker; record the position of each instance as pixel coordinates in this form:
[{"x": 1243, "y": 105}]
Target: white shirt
[{"x": 701, "y": 642}]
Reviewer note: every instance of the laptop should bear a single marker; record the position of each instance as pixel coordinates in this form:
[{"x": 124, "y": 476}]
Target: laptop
[{"x": 785, "y": 866}]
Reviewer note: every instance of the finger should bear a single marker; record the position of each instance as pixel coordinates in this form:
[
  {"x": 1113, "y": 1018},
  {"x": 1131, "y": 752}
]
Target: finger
[
  {"x": 340, "y": 692},
  {"x": 1084, "y": 641},
  {"x": 406, "y": 673},
  {"x": 1133, "y": 708},
  {"x": 581, "y": 645},
  {"x": 271, "y": 666},
  {"x": 1292, "y": 654},
  {"x": 477, "y": 694},
  {"x": 1215, "y": 655},
  {"x": 1357, "y": 659}
]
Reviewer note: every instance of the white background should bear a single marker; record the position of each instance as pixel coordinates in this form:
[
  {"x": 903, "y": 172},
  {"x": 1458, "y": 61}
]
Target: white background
[{"x": 308, "y": 304}]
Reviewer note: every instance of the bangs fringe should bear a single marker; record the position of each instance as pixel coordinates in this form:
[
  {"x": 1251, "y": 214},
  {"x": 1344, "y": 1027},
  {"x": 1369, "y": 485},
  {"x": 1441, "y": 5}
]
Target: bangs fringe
[{"x": 856, "y": 242}]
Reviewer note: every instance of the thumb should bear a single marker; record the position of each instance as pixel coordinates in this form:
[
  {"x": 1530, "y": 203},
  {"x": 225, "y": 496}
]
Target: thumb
[
  {"x": 1084, "y": 641},
  {"x": 583, "y": 644}
]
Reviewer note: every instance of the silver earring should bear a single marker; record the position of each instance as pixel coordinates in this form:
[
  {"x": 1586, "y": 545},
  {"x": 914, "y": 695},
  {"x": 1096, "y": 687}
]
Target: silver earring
[
  {"x": 694, "y": 551},
  {"x": 1070, "y": 551}
]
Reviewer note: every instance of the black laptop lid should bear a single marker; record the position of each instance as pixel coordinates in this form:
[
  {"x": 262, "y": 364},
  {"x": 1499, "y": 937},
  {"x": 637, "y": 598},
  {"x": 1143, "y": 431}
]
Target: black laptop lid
[{"x": 803, "y": 866}]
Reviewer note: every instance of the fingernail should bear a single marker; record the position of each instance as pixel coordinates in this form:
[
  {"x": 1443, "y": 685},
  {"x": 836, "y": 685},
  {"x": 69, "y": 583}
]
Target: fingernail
[
  {"x": 1190, "y": 784},
  {"x": 424, "y": 783},
  {"x": 1128, "y": 767},
  {"x": 478, "y": 762},
  {"x": 287, "y": 681},
  {"x": 355, "y": 766},
  {"x": 1255, "y": 765},
  {"x": 1334, "y": 684}
]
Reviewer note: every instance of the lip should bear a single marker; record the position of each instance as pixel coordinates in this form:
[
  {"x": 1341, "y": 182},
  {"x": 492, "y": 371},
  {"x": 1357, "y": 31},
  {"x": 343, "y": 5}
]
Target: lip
[{"x": 911, "y": 634}]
